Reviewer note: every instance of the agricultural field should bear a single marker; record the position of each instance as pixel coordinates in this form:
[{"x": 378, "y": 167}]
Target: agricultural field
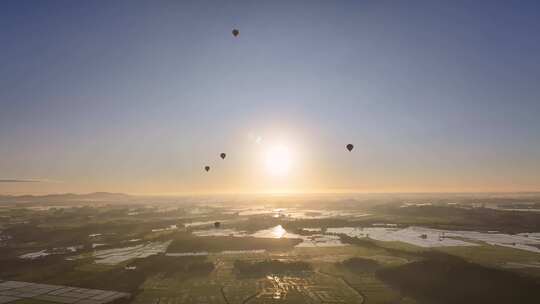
[{"x": 286, "y": 250}]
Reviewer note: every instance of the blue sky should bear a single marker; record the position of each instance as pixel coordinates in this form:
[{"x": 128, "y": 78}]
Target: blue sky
[{"x": 137, "y": 96}]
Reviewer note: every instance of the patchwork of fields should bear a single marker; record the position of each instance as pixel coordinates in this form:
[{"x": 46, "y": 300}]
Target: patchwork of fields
[{"x": 213, "y": 253}]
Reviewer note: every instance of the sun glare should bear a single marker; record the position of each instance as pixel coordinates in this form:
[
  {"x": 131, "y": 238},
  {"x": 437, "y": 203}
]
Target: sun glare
[{"x": 278, "y": 160}]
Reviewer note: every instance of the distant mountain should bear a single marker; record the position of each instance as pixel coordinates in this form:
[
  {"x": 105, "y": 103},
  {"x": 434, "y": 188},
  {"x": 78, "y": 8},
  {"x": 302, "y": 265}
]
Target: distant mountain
[{"x": 65, "y": 197}]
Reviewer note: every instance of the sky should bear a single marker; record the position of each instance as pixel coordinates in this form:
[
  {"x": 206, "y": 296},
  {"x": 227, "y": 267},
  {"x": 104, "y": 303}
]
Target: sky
[{"x": 139, "y": 96}]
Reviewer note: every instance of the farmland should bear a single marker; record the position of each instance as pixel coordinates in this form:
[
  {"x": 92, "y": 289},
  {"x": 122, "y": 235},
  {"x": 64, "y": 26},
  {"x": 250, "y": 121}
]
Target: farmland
[{"x": 310, "y": 252}]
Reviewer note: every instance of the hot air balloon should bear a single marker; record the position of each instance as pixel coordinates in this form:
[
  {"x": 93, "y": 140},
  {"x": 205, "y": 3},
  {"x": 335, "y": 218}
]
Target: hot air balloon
[
  {"x": 350, "y": 147},
  {"x": 235, "y": 32},
  {"x": 217, "y": 224},
  {"x": 207, "y": 168},
  {"x": 223, "y": 155}
]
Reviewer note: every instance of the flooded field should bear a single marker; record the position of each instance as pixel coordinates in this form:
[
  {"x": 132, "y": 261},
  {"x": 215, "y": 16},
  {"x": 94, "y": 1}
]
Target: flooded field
[
  {"x": 34, "y": 255},
  {"x": 278, "y": 232},
  {"x": 119, "y": 255},
  {"x": 418, "y": 236},
  {"x": 225, "y": 252},
  {"x": 427, "y": 237},
  {"x": 321, "y": 240},
  {"x": 171, "y": 227},
  {"x": 48, "y": 252},
  {"x": 220, "y": 232},
  {"x": 298, "y": 213},
  {"x": 199, "y": 224}
]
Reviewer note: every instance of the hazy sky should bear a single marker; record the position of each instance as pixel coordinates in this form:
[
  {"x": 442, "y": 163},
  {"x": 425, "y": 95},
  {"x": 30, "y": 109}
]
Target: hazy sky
[{"x": 137, "y": 96}]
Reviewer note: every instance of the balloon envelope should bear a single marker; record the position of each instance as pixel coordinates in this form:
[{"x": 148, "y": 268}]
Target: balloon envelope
[
  {"x": 350, "y": 147},
  {"x": 223, "y": 155},
  {"x": 207, "y": 168}
]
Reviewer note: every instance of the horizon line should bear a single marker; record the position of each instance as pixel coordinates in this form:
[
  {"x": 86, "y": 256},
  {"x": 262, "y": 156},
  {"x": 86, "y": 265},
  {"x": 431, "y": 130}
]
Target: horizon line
[{"x": 291, "y": 193}]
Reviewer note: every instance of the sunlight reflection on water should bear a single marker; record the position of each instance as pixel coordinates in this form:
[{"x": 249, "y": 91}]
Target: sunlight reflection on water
[{"x": 278, "y": 231}]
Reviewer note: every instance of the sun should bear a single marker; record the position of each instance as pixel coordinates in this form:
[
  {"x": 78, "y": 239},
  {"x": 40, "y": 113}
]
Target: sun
[{"x": 278, "y": 160}]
